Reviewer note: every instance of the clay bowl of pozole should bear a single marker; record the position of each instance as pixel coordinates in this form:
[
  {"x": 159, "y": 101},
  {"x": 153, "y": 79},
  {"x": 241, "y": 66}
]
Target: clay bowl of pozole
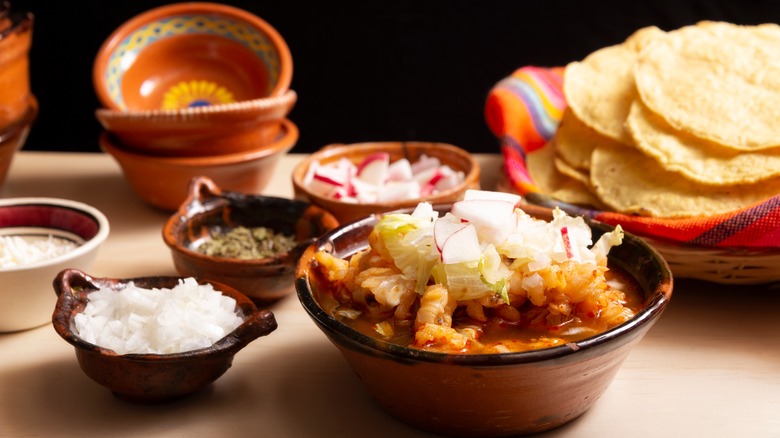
[{"x": 458, "y": 337}]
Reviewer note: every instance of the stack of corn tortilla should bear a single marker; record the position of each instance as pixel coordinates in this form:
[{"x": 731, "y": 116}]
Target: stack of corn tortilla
[{"x": 673, "y": 124}]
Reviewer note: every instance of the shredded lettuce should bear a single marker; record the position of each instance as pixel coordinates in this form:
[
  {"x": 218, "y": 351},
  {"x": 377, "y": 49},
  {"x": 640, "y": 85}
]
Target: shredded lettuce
[
  {"x": 606, "y": 242},
  {"x": 409, "y": 241}
]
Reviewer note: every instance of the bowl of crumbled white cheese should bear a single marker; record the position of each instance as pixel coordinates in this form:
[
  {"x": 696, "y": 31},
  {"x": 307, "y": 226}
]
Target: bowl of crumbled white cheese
[{"x": 39, "y": 237}]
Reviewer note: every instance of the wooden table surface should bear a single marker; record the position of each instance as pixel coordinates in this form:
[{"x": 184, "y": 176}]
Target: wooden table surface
[{"x": 709, "y": 368}]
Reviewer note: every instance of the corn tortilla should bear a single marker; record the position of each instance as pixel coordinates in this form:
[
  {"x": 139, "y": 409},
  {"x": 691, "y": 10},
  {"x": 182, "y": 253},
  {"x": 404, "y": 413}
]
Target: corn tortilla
[
  {"x": 541, "y": 167},
  {"x": 600, "y": 88},
  {"x": 697, "y": 159},
  {"x": 631, "y": 182},
  {"x": 575, "y": 141},
  {"x": 717, "y": 81}
]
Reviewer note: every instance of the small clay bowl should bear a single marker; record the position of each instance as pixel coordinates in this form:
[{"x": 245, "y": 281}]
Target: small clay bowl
[
  {"x": 163, "y": 181},
  {"x": 453, "y": 156},
  {"x": 191, "y": 54},
  {"x": 26, "y": 299},
  {"x": 208, "y": 209},
  {"x": 488, "y": 394},
  {"x": 152, "y": 378},
  {"x": 206, "y": 130}
]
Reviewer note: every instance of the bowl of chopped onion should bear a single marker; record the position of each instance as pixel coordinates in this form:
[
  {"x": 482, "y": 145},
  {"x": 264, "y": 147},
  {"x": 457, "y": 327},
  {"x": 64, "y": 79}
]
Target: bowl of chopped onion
[
  {"x": 355, "y": 180},
  {"x": 250, "y": 242},
  {"x": 483, "y": 317},
  {"x": 154, "y": 339},
  {"x": 39, "y": 237}
]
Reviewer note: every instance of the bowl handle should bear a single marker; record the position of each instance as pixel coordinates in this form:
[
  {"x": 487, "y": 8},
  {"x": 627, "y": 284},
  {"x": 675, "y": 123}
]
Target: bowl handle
[
  {"x": 201, "y": 188},
  {"x": 258, "y": 324}
]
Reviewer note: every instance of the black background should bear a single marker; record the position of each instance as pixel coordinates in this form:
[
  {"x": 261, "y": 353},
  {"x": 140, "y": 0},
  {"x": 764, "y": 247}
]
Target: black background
[{"x": 369, "y": 70}]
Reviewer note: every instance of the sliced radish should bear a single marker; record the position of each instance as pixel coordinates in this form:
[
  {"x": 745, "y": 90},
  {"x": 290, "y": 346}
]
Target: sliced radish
[
  {"x": 494, "y": 219},
  {"x": 449, "y": 181},
  {"x": 444, "y": 227},
  {"x": 398, "y": 191},
  {"x": 399, "y": 170},
  {"x": 461, "y": 246},
  {"x": 376, "y": 179},
  {"x": 424, "y": 163},
  {"x": 373, "y": 168},
  {"x": 566, "y": 242},
  {"x": 486, "y": 194}
]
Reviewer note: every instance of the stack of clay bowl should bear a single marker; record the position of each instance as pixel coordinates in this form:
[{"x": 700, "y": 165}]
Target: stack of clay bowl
[
  {"x": 18, "y": 106},
  {"x": 195, "y": 89}
]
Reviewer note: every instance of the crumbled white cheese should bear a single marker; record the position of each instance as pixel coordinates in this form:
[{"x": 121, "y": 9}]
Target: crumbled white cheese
[{"x": 23, "y": 250}]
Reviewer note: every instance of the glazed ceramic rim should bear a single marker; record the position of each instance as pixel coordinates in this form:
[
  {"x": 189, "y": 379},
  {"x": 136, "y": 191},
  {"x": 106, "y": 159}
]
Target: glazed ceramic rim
[
  {"x": 283, "y": 143},
  {"x": 62, "y": 204},
  {"x": 194, "y": 113},
  {"x": 652, "y": 309},
  {"x": 179, "y": 219},
  {"x": 338, "y": 150},
  {"x": 116, "y": 37}
]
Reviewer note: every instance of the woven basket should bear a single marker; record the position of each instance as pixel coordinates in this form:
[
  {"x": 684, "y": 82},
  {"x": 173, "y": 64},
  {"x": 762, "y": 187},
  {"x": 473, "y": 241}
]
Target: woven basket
[
  {"x": 724, "y": 265},
  {"x": 720, "y": 265}
]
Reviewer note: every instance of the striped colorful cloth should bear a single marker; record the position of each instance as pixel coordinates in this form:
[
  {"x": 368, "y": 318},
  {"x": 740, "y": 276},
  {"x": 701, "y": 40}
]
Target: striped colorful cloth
[{"x": 523, "y": 111}]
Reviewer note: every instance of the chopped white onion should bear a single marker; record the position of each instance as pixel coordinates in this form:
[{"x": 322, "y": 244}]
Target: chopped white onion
[{"x": 187, "y": 317}]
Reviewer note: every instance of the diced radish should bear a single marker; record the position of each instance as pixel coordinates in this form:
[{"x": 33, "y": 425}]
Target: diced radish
[
  {"x": 373, "y": 168},
  {"x": 426, "y": 175},
  {"x": 566, "y": 242},
  {"x": 375, "y": 179},
  {"x": 461, "y": 246},
  {"x": 399, "y": 170},
  {"x": 449, "y": 181},
  {"x": 424, "y": 163},
  {"x": 398, "y": 191},
  {"x": 486, "y": 194},
  {"x": 444, "y": 227},
  {"x": 494, "y": 219},
  {"x": 309, "y": 176},
  {"x": 323, "y": 183}
]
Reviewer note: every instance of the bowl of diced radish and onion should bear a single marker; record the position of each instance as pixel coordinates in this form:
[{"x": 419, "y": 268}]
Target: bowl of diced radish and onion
[{"x": 353, "y": 181}]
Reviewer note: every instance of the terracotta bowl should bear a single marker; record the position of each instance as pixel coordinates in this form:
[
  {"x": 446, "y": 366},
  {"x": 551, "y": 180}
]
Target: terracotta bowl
[
  {"x": 208, "y": 209},
  {"x": 206, "y": 130},
  {"x": 163, "y": 181},
  {"x": 13, "y": 137},
  {"x": 15, "y": 40},
  {"x": 491, "y": 394},
  {"x": 151, "y": 378},
  {"x": 191, "y": 54},
  {"x": 26, "y": 299},
  {"x": 453, "y": 156}
]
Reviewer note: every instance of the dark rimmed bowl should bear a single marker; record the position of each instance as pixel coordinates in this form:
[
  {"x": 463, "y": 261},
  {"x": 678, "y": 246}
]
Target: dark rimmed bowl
[
  {"x": 152, "y": 378},
  {"x": 208, "y": 208},
  {"x": 493, "y": 394},
  {"x": 25, "y": 297}
]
